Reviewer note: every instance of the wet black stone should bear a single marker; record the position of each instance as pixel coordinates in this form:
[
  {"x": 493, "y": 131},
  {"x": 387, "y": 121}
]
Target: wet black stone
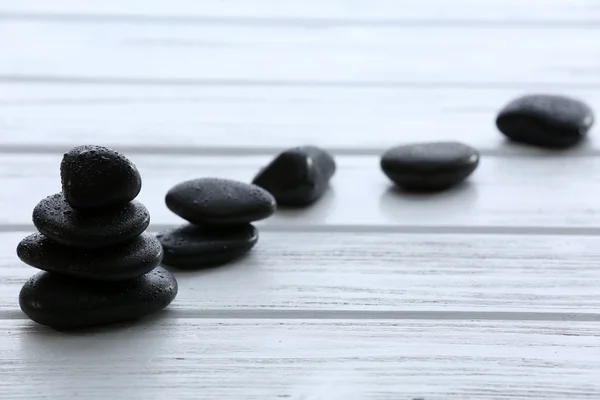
[
  {"x": 218, "y": 201},
  {"x": 95, "y": 176},
  {"x": 297, "y": 177},
  {"x": 65, "y": 302},
  {"x": 192, "y": 246},
  {"x": 92, "y": 228},
  {"x": 122, "y": 261},
  {"x": 429, "y": 166},
  {"x": 545, "y": 120}
]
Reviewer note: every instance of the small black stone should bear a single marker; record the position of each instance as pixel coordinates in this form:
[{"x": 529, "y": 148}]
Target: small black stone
[
  {"x": 122, "y": 261},
  {"x": 297, "y": 177},
  {"x": 545, "y": 120},
  {"x": 91, "y": 228},
  {"x": 65, "y": 302},
  {"x": 192, "y": 246},
  {"x": 216, "y": 201},
  {"x": 429, "y": 166},
  {"x": 95, "y": 176}
]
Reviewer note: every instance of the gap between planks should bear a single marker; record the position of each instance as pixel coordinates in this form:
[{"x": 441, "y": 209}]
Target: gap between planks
[
  {"x": 358, "y": 315},
  {"x": 263, "y": 83},
  {"x": 384, "y": 229},
  {"x": 510, "y": 150},
  {"x": 314, "y": 22}
]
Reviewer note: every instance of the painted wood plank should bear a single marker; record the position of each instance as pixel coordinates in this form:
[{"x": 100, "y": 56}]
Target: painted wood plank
[
  {"x": 504, "y": 192},
  {"x": 346, "y": 120},
  {"x": 499, "y": 11},
  {"x": 299, "y": 55},
  {"x": 374, "y": 272},
  {"x": 304, "y": 360}
]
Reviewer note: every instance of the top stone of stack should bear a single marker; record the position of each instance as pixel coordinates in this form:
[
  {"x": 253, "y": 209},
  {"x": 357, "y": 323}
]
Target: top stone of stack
[{"x": 95, "y": 177}]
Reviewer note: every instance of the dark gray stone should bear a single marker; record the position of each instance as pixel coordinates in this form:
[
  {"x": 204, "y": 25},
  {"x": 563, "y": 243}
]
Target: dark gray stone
[
  {"x": 195, "y": 247},
  {"x": 122, "y": 261},
  {"x": 429, "y": 166},
  {"x": 297, "y": 177},
  {"x": 92, "y": 228},
  {"x": 95, "y": 176},
  {"x": 65, "y": 302},
  {"x": 545, "y": 120},
  {"x": 217, "y": 201}
]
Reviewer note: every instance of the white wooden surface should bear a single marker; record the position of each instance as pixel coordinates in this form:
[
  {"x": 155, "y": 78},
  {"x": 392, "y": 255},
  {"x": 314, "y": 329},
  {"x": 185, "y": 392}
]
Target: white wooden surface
[
  {"x": 259, "y": 120},
  {"x": 488, "y": 291},
  {"x": 498, "y": 275},
  {"x": 505, "y": 192},
  {"x": 282, "y": 358}
]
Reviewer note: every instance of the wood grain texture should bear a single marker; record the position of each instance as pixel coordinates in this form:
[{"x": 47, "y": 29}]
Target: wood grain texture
[
  {"x": 207, "y": 54},
  {"x": 333, "y": 303},
  {"x": 248, "y": 119},
  {"x": 501, "y": 12},
  {"x": 504, "y": 192},
  {"x": 330, "y": 272},
  {"x": 303, "y": 360}
]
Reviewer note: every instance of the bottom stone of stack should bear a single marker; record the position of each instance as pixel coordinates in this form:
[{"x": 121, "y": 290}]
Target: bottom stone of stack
[
  {"x": 66, "y": 302},
  {"x": 195, "y": 247}
]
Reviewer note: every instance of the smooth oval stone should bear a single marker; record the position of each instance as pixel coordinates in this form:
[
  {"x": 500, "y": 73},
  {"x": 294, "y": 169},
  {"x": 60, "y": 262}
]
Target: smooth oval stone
[
  {"x": 297, "y": 177},
  {"x": 93, "y": 228},
  {"x": 66, "y": 302},
  {"x": 193, "y": 246},
  {"x": 429, "y": 166},
  {"x": 545, "y": 120},
  {"x": 95, "y": 176},
  {"x": 118, "y": 262},
  {"x": 219, "y": 201}
]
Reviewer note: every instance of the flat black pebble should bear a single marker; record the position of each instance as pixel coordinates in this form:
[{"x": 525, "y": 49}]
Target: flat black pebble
[
  {"x": 95, "y": 176},
  {"x": 192, "y": 246},
  {"x": 123, "y": 261},
  {"x": 545, "y": 120},
  {"x": 297, "y": 177},
  {"x": 429, "y": 166},
  {"x": 93, "y": 228},
  {"x": 220, "y": 202},
  {"x": 65, "y": 302}
]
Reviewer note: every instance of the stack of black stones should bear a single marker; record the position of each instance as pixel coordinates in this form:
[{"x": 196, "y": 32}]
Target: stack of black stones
[
  {"x": 220, "y": 213},
  {"x": 100, "y": 266}
]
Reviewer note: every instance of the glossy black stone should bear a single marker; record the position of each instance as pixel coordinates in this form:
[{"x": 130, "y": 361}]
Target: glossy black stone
[
  {"x": 192, "y": 246},
  {"x": 218, "y": 201},
  {"x": 95, "y": 176},
  {"x": 93, "y": 228},
  {"x": 297, "y": 177},
  {"x": 122, "y": 261},
  {"x": 65, "y": 302},
  {"x": 545, "y": 120},
  {"x": 429, "y": 166}
]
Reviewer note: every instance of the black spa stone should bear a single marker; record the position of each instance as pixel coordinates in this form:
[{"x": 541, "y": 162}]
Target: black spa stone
[
  {"x": 219, "y": 201},
  {"x": 92, "y": 228},
  {"x": 122, "y": 261},
  {"x": 65, "y": 302},
  {"x": 95, "y": 176},
  {"x": 429, "y": 166},
  {"x": 297, "y": 177},
  {"x": 543, "y": 120},
  {"x": 194, "y": 247}
]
